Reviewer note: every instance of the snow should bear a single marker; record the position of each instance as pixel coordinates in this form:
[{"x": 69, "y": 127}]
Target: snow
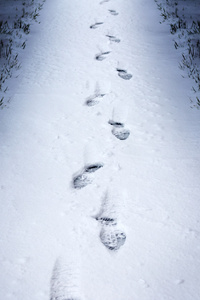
[
  {"x": 182, "y": 18},
  {"x": 16, "y": 18},
  {"x": 149, "y": 183}
]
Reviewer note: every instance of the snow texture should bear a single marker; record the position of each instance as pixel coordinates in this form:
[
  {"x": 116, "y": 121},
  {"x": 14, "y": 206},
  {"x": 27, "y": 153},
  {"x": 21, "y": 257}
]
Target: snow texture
[{"x": 100, "y": 160}]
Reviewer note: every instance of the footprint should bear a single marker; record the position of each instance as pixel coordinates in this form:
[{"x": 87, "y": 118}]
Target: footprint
[
  {"x": 84, "y": 178},
  {"x": 121, "y": 134},
  {"x": 123, "y": 74},
  {"x": 94, "y": 99},
  {"x": 113, "y": 38},
  {"x": 96, "y": 25},
  {"x": 81, "y": 181},
  {"x": 119, "y": 131},
  {"x": 113, "y": 12},
  {"x": 112, "y": 238},
  {"x": 64, "y": 283},
  {"x": 101, "y": 56}
]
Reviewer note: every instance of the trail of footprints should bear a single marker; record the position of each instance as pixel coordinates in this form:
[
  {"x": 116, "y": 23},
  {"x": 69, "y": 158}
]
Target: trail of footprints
[{"x": 111, "y": 236}]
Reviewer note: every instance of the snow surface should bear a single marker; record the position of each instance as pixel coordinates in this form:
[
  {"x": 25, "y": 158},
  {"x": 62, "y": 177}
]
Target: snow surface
[
  {"x": 183, "y": 20},
  {"x": 16, "y": 17},
  {"x": 51, "y": 232}
]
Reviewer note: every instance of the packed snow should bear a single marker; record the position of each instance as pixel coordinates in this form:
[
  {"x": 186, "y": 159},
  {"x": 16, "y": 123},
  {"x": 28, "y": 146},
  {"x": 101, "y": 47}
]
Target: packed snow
[{"x": 100, "y": 160}]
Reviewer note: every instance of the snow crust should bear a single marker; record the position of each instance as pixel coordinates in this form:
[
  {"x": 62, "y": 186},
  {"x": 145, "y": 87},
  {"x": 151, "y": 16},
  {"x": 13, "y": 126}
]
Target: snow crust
[{"x": 148, "y": 184}]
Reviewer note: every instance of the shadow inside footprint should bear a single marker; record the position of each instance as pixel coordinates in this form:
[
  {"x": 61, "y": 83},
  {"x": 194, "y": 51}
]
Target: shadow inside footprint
[
  {"x": 81, "y": 181},
  {"x": 121, "y": 134},
  {"x": 112, "y": 239},
  {"x": 96, "y": 25},
  {"x": 113, "y": 38},
  {"x": 123, "y": 74},
  {"x": 101, "y": 56},
  {"x": 116, "y": 124},
  {"x": 113, "y": 12},
  {"x": 93, "y": 100},
  {"x": 107, "y": 221},
  {"x": 93, "y": 168}
]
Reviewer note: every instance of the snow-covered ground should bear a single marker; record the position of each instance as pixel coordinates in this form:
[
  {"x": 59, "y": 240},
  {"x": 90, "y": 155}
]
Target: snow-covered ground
[
  {"x": 183, "y": 19},
  {"x": 16, "y": 17},
  {"x": 91, "y": 209}
]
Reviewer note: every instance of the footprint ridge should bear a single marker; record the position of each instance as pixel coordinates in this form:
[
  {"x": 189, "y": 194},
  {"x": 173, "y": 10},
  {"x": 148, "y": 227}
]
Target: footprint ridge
[
  {"x": 113, "y": 38},
  {"x": 95, "y": 25},
  {"x": 101, "y": 56},
  {"x": 113, "y": 12}
]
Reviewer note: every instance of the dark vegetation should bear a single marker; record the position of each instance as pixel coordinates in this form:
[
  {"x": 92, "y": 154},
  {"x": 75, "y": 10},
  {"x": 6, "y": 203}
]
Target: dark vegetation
[
  {"x": 183, "y": 17},
  {"x": 16, "y": 17}
]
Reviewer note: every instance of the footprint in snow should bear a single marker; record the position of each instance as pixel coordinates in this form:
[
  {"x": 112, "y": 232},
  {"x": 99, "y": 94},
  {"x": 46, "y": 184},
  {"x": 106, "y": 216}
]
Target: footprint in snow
[
  {"x": 93, "y": 100},
  {"x": 113, "y": 38},
  {"x": 119, "y": 131},
  {"x": 124, "y": 74},
  {"x": 64, "y": 283},
  {"x": 121, "y": 134},
  {"x": 110, "y": 236},
  {"x": 101, "y": 56},
  {"x": 113, "y": 12},
  {"x": 96, "y": 25},
  {"x": 85, "y": 177}
]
